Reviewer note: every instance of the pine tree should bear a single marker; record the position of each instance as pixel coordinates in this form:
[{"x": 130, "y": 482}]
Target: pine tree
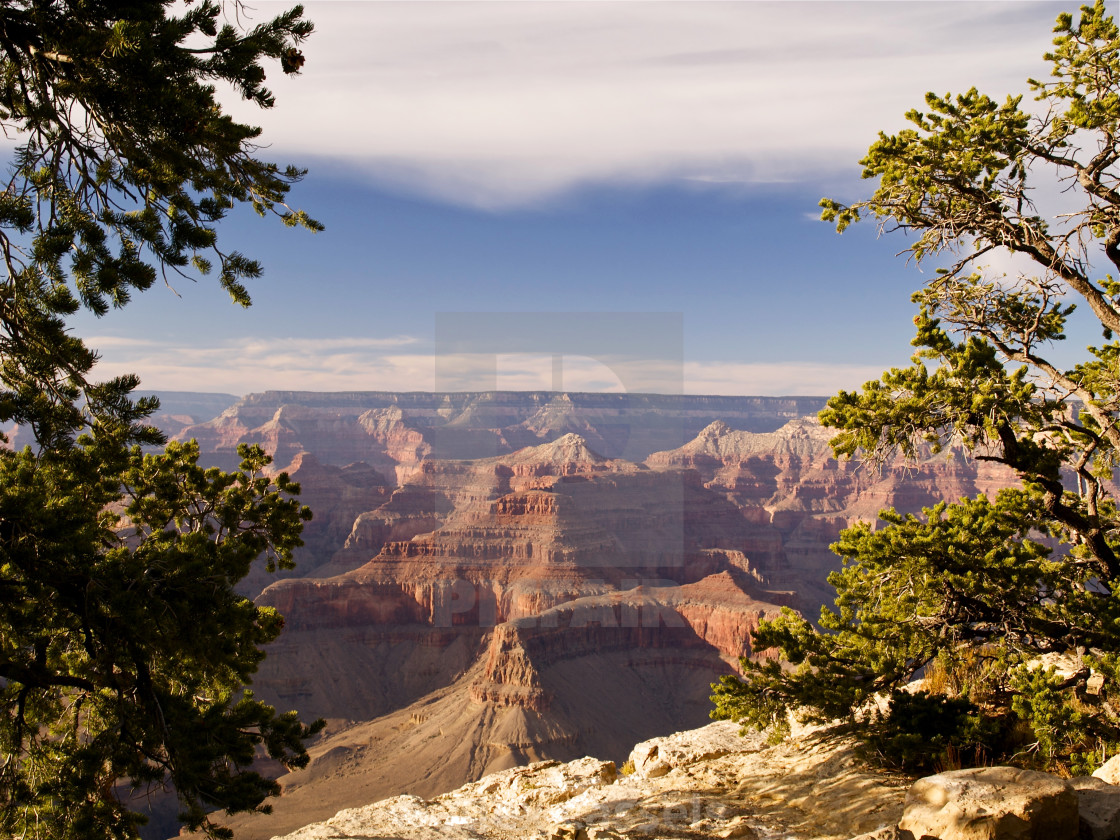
[
  {"x": 977, "y": 589},
  {"x": 124, "y": 650}
]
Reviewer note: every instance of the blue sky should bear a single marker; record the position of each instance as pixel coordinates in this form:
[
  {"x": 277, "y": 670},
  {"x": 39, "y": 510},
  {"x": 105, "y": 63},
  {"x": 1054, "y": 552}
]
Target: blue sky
[{"x": 561, "y": 167}]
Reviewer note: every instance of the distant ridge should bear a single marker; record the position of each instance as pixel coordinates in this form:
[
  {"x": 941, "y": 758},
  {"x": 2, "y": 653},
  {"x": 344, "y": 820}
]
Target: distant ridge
[
  {"x": 179, "y": 409},
  {"x": 483, "y": 424},
  {"x": 192, "y": 402},
  {"x": 801, "y": 405}
]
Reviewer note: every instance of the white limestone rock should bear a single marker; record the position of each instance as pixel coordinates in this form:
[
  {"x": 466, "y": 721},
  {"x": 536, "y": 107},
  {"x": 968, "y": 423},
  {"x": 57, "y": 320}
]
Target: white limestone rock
[
  {"x": 991, "y": 803},
  {"x": 887, "y": 832},
  {"x": 1098, "y": 808},
  {"x": 657, "y": 756},
  {"x": 1109, "y": 771},
  {"x": 718, "y": 786}
]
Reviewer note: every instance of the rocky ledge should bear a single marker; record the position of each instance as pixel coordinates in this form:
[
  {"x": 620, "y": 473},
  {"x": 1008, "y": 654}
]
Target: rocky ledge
[
  {"x": 705, "y": 783},
  {"x": 713, "y": 783}
]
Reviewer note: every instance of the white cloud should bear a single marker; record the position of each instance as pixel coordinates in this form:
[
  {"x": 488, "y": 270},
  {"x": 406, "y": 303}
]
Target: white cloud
[
  {"x": 259, "y": 364},
  {"x": 1005, "y": 268},
  {"x": 497, "y": 104},
  {"x": 775, "y": 378},
  {"x": 363, "y": 364}
]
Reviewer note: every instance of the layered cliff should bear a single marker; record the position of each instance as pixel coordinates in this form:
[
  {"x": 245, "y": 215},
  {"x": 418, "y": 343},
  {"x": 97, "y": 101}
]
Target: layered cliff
[
  {"x": 789, "y": 480},
  {"x": 592, "y": 675},
  {"x": 338, "y": 436},
  {"x": 391, "y": 430},
  {"x": 520, "y": 536},
  {"x": 793, "y": 469}
]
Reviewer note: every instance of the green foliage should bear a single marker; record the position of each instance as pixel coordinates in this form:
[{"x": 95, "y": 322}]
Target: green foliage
[
  {"x": 1050, "y": 712},
  {"x": 923, "y": 733},
  {"x": 124, "y": 649},
  {"x": 123, "y": 646},
  {"x": 126, "y": 165},
  {"x": 987, "y": 584}
]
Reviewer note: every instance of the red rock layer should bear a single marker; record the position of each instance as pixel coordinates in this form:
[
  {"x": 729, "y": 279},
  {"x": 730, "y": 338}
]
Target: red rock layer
[
  {"x": 379, "y": 437},
  {"x": 793, "y": 469}
]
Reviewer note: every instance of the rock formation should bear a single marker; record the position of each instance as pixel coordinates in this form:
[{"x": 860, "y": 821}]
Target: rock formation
[
  {"x": 707, "y": 783},
  {"x": 405, "y": 428},
  {"x": 792, "y": 470},
  {"x": 991, "y": 803},
  {"x": 520, "y": 536},
  {"x": 713, "y": 782},
  {"x": 337, "y": 496},
  {"x": 338, "y": 436},
  {"x": 789, "y": 481},
  {"x": 180, "y": 409}
]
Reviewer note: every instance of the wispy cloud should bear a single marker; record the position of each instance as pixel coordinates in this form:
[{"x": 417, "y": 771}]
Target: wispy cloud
[
  {"x": 363, "y": 364},
  {"x": 258, "y": 364},
  {"x": 499, "y": 104},
  {"x": 775, "y": 378}
]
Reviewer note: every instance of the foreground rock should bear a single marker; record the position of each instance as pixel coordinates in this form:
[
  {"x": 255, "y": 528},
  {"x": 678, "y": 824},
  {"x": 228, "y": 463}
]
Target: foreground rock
[
  {"x": 991, "y": 803},
  {"x": 708, "y": 783},
  {"x": 713, "y": 783},
  {"x": 1098, "y": 808},
  {"x": 1109, "y": 771}
]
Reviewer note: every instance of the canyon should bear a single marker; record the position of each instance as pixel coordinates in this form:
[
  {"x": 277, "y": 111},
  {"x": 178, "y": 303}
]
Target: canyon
[{"x": 501, "y": 578}]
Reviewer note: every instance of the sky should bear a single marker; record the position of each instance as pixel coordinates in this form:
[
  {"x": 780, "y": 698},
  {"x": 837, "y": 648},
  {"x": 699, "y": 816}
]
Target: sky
[{"x": 602, "y": 196}]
